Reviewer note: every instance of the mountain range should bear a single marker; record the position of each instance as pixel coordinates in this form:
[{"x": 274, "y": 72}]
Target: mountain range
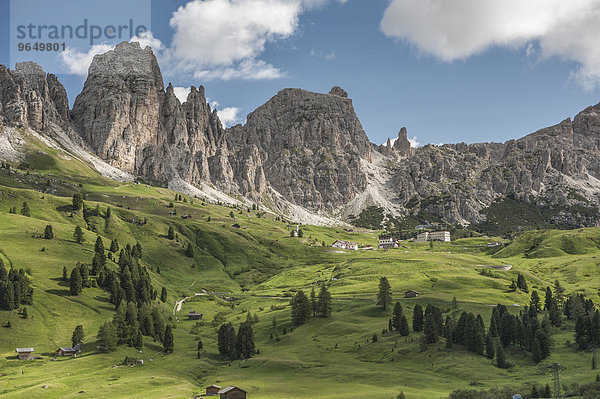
[{"x": 301, "y": 154}]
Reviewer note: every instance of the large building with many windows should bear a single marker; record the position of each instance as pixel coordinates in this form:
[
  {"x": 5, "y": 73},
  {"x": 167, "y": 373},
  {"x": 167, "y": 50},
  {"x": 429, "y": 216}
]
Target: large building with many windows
[{"x": 433, "y": 236}]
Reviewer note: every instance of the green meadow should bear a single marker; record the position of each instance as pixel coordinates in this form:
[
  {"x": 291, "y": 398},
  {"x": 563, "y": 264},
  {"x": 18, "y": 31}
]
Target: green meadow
[{"x": 257, "y": 268}]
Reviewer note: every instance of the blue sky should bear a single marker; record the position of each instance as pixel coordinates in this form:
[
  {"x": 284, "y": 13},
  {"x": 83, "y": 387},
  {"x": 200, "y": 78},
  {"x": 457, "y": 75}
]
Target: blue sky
[{"x": 401, "y": 61}]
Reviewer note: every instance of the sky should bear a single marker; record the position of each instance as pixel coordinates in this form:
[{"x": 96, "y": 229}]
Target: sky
[{"x": 449, "y": 70}]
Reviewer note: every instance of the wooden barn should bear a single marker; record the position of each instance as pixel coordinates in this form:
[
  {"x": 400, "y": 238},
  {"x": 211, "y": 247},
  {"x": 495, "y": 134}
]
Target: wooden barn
[
  {"x": 212, "y": 390},
  {"x": 67, "y": 351},
  {"x": 411, "y": 294},
  {"x": 232, "y": 393},
  {"x": 192, "y": 315},
  {"x": 24, "y": 353}
]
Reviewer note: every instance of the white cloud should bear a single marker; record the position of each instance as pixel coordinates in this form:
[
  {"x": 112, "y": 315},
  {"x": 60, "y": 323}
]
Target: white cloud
[
  {"x": 181, "y": 93},
  {"x": 223, "y": 38},
  {"x": 148, "y": 39},
  {"x": 457, "y": 29},
  {"x": 310, "y": 4},
  {"x": 78, "y": 62},
  {"x": 322, "y": 54},
  {"x": 413, "y": 142},
  {"x": 228, "y": 116}
]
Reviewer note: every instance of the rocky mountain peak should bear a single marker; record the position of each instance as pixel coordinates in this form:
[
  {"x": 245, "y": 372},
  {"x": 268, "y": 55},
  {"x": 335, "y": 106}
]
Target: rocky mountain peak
[
  {"x": 402, "y": 146},
  {"x": 338, "y": 91}
]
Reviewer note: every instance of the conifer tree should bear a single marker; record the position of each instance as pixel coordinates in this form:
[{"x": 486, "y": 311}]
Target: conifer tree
[
  {"x": 324, "y": 302},
  {"x": 430, "y": 329},
  {"x": 25, "y": 209},
  {"x": 107, "y": 337},
  {"x": 245, "y": 348},
  {"x": 75, "y": 283},
  {"x": 522, "y": 283},
  {"x": 77, "y": 201},
  {"x": 78, "y": 235},
  {"x": 403, "y": 329},
  {"x": 534, "y": 302},
  {"x": 536, "y": 351},
  {"x": 417, "y": 322},
  {"x": 313, "y": 302},
  {"x": 168, "y": 342},
  {"x": 48, "y": 232},
  {"x": 78, "y": 335},
  {"x": 384, "y": 296},
  {"x": 189, "y": 251},
  {"x": 548, "y": 299},
  {"x": 65, "y": 275},
  {"x": 489, "y": 346},
  {"x": 163, "y": 294},
  {"x": 171, "y": 233},
  {"x": 300, "y": 308},
  {"x": 226, "y": 341},
  {"x": 114, "y": 245},
  {"x": 500, "y": 357},
  {"x": 397, "y": 316},
  {"x": 547, "y": 391}
]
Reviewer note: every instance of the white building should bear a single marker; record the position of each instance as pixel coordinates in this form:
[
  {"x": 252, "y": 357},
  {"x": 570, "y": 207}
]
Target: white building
[
  {"x": 345, "y": 245},
  {"x": 387, "y": 242},
  {"x": 433, "y": 236}
]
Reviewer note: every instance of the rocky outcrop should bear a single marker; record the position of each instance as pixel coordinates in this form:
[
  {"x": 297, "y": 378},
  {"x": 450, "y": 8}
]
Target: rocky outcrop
[
  {"x": 310, "y": 146},
  {"x": 31, "y": 98}
]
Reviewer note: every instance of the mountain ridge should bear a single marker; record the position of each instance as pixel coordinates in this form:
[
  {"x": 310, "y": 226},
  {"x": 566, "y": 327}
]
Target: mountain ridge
[{"x": 301, "y": 152}]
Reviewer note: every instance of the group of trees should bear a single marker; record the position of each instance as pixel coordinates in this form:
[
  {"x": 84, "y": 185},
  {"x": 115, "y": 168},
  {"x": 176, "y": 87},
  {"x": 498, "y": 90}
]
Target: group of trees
[
  {"x": 234, "y": 346},
  {"x": 303, "y": 308},
  {"x": 15, "y": 288},
  {"x": 520, "y": 284},
  {"x": 133, "y": 321},
  {"x": 587, "y": 321},
  {"x": 398, "y": 322}
]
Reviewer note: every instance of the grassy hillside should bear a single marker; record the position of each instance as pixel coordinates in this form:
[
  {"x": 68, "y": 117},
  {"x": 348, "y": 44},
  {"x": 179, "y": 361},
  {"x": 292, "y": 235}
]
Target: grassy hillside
[{"x": 259, "y": 267}]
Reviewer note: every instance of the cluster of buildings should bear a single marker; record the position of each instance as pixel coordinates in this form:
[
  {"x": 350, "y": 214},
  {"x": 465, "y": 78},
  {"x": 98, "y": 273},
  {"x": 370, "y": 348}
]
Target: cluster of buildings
[{"x": 27, "y": 353}]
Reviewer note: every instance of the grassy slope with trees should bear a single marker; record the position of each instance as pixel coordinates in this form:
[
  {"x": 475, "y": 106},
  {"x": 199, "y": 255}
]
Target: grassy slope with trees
[{"x": 263, "y": 268}]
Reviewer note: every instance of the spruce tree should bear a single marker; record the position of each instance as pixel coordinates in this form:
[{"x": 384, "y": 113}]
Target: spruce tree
[
  {"x": 300, "y": 308},
  {"x": 107, "y": 337},
  {"x": 404, "y": 330},
  {"x": 78, "y": 335},
  {"x": 24, "y": 313},
  {"x": 171, "y": 233},
  {"x": 534, "y": 302},
  {"x": 189, "y": 251},
  {"x": 384, "y": 296},
  {"x": 500, "y": 357},
  {"x": 489, "y": 346},
  {"x": 536, "y": 351},
  {"x": 245, "y": 348},
  {"x": 65, "y": 275},
  {"x": 163, "y": 294},
  {"x": 168, "y": 342},
  {"x": 48, "y": 232},
  {"x": 522, "y": 283},
  {"x": 25, "y": 209},
  {"x": 77, "y": 201},
  {"x": 430, "y": 329},
  {"x": 417, "y": 322},
  {"x": 99, "y": 246},
  {"x": 547, "y": 391},
  {"x": 75, "y": 283},
  {"x": 397, "y": 316},
  {"x": 114, "y": 246},
  {"x": 313, "y": 302},
  {"x": 226, "y": 341},
  {"x": 78, "y": 235},
  {"x": 324, "y": 302},
  {"x": 548, "y": 299}
]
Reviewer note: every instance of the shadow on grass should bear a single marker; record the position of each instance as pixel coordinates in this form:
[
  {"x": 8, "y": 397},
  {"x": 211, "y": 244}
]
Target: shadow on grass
[
  {"x": 60, "y": 281},
  {"x": 59, "y": 292}
]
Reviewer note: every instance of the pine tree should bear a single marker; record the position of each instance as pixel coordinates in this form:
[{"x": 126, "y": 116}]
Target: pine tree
[
  {"x": 313, "y": 302},
  {"x": 401, "y": 395},
  {"x": 78, "y": 235},
  {"x": 245, "y": 341},
  {"x": 114, "y": 245},
  {"x": 384, "y": 296},
  {"x": 324, "y": 302},
  {"x": 108, "y": 214},
  {"x": 48, "y": 232},
  {"x": 171, "y": 233},
  {"x": 417, "y": 322},
  {"x": 554, "y": 314},
  {"x": 200, "y": 345},
  {"x": 489, "y": 346},
  {"x": 24, "y": 313},
  {"x": 75, "y": 283},
  {"x": 189, "y": 251},
  {"x": 300, "y": 308},
  {"x": 65, "y": 275},
  {"x": 536, "y": 351},
  {"x": 226, "y": 341},
  {"x": 535, "y": 301},
  {"x": 534, "y": 392},
  {"x": 430, "y": 329},
  {"x": 397, "y": 316},
  {"x": 522, "y": 283},
  {"x": 163, "y": 294},
  {"x": 548, "y": 299},
  {"x": 25, "y": 209},
  {"x": 99, "y": 246},
  {"x": 107, "y": 337},
  {"x": 168, "y": 343},
  {"x": 77, "y": 201},
  {"x": 500, "y": 357},
  {"x": 78, "y": 335},
  {"x": 404, "y": 330}
]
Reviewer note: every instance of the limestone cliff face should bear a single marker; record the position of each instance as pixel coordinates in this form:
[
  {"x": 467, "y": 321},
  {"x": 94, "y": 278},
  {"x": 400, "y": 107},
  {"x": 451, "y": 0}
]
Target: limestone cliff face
[
  {"x": 310, "y": 144},
  {"x": 31, "y": 98}
]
